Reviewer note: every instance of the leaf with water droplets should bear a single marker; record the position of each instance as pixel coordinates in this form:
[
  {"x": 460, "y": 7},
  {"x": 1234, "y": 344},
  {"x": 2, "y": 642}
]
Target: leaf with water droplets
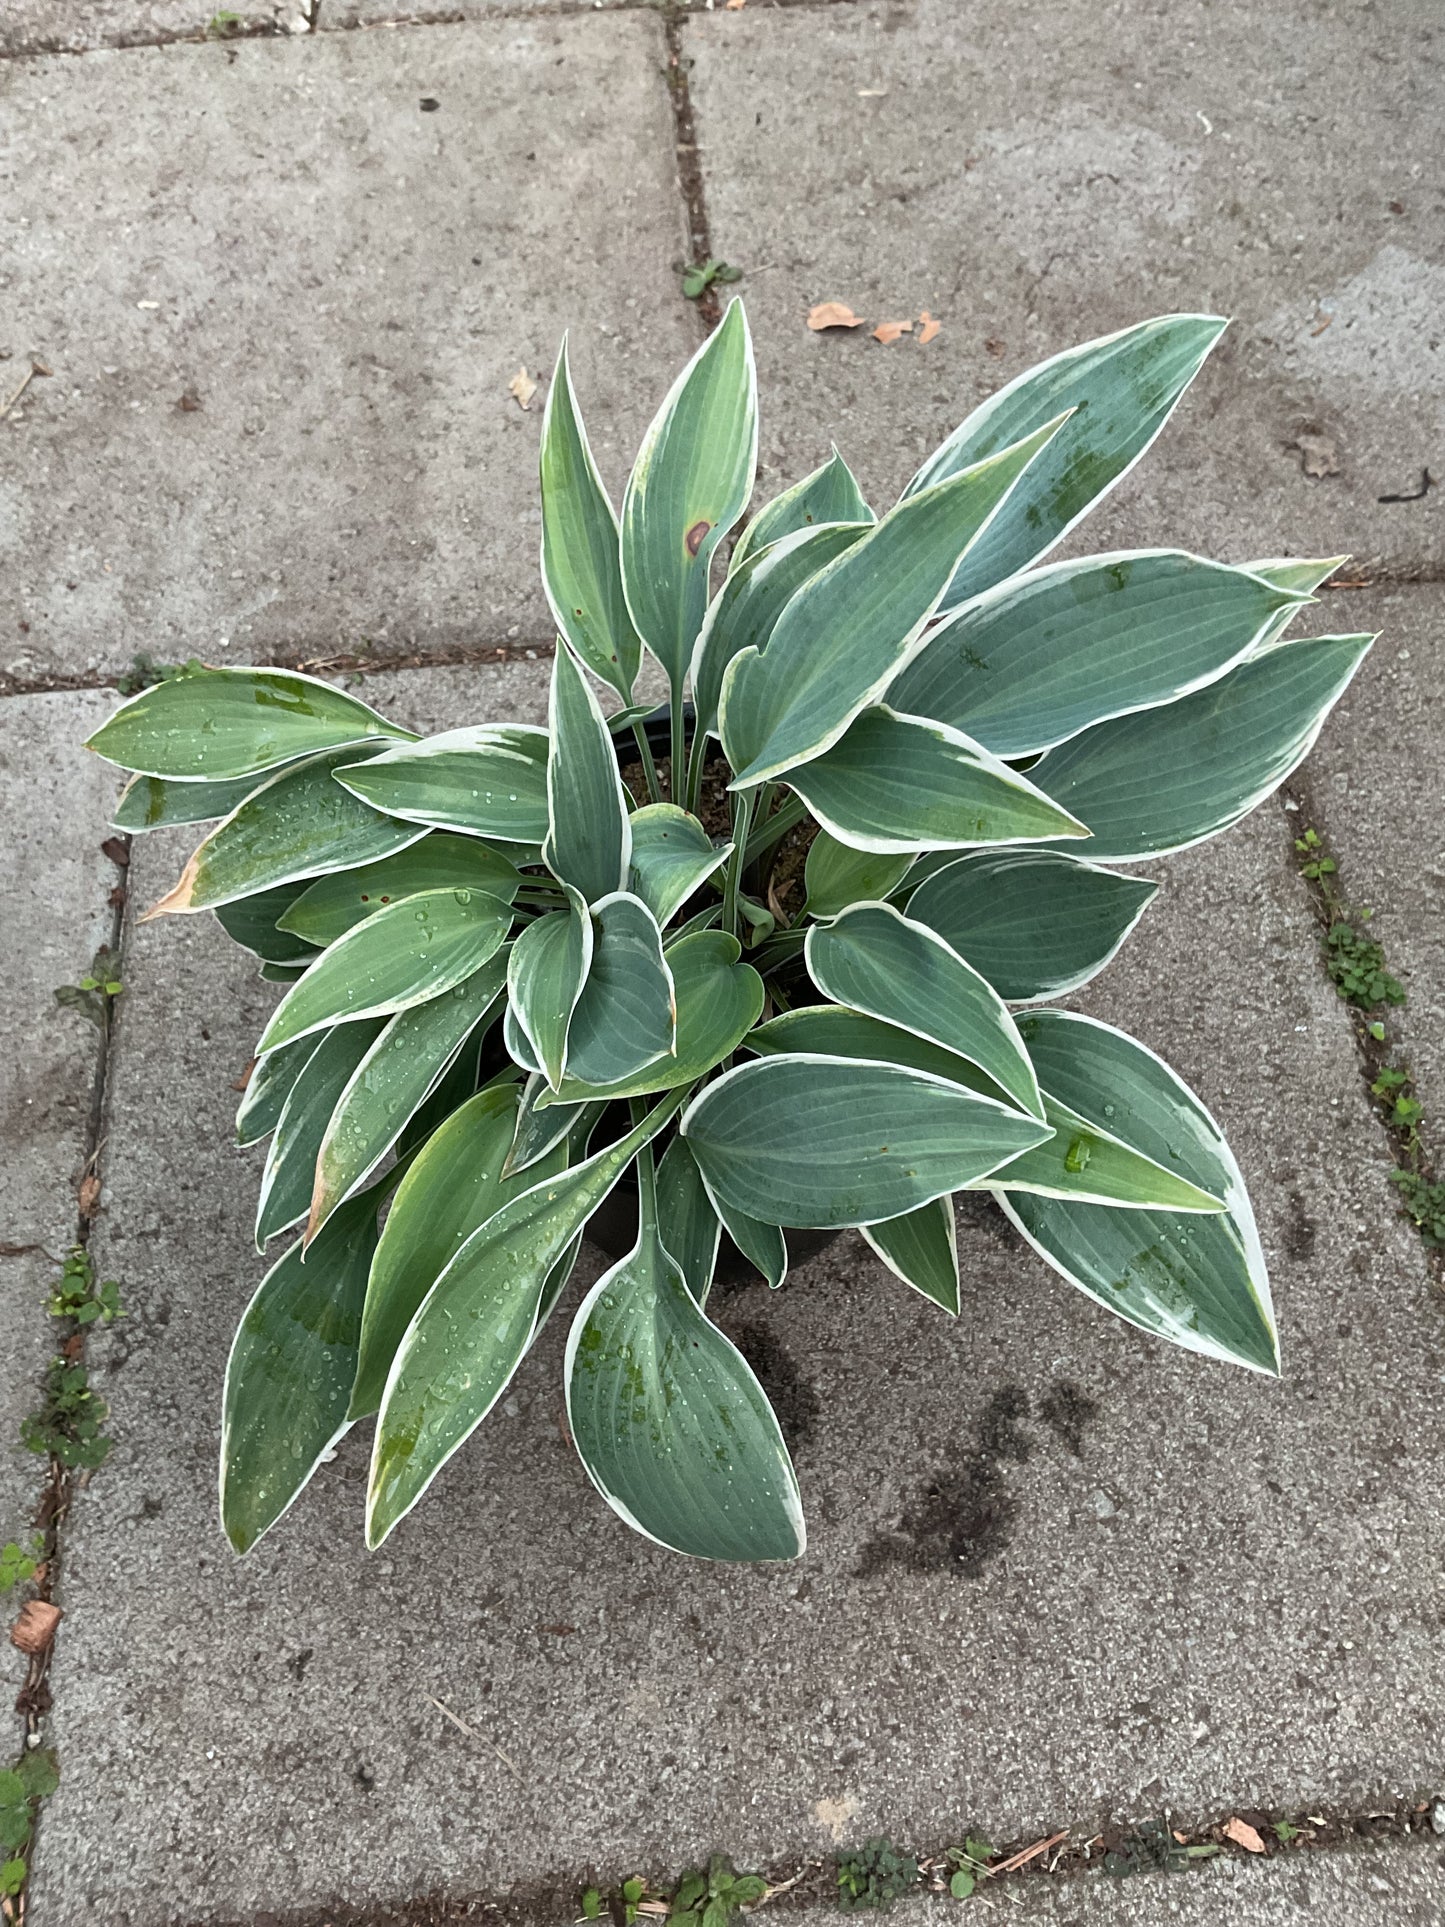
[
  {"x": 332, "y": 905},
  {"x": 290, "y": 1173}
]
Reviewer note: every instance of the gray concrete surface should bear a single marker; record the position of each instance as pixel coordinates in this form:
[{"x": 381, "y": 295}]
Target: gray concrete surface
[
  {"x": 347, "y": 284},
  {"x": 1379, "y": 781},
  {"x": 77, "y": 26},
  {"x": 1037, "y": 175},
  {"x": 53, "y": 915},
  {"x": 1188, "y": 1584}
]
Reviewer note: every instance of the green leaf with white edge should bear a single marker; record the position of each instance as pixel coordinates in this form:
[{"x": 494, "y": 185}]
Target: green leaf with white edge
[
  {"x": 670, "y": 1421},
  {"x": 161, "y": 802},
  {"x": 275, "y": 973},
  {"x": 211, "y": 724},
  {"x": 299, "y": 824},
  {"x": 253, "y": 922},
  {"x": 290, "y": 1170},
  {"x": 672, "y": 856},
  {"x": 921, "y": 1248},
  {"x": 746, "y": 609},
  {"x": 549, "y": 965},
  {"x": 686, "y": 1221},
  {"x": 718, "y": 1000},
  {"x": 1122, "y": 389},
  {"x": 581, "y": 555},
  {"x": 1167, "y": 778},
  {"x": 835, "y": 875},
  {"x": 763, "y": 1245},
  {"x": 393, "y": 1081},
  {"x": 1298, "y": 575},
  {"x": 847, "y": 632},
  {"x": 829, "y": 494},
  {"x": 457, "y": 1181},
  {"x": 332, "y": 905},
  {"x": 290, "y": 1372},
  {"x": 589, "y": 841},
  {"x": 1044, "y": 655},
  {"x": 896, "y": 784},
  {"x": 1198, "y": 1281},
  {"x": 406, "y": 954},
  {"x": 874, "y": 959},
  {"x": 267, "y": 1089},
  {"x": 626, "y": 1017},
  {"x": 863, "y": 1141},
  {"x": 1092, "y": 1166},
  {"x": 488, "y": 781},
  {"x": 690, "y": 483},
  {"x": 827, "y": 1030},
  {"x": 538, "y": 1131},
  {"x": 1036, "y": 923},
  {"x": 474, "y": 1326}
]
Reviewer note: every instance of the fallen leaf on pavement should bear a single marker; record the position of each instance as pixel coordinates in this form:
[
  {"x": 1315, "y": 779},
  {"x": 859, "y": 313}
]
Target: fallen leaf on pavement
[
  {"x": 889, "y": 331},
  {"x": 832, "y": 314},
  {"x": 35, "y": 1628},
  {"x": 89, "y": 1197},
  {"x": 735, "y": 6},
  {"x": 929, "y": 328},
  {"x": 522, "y": 388},
  {"x": 1243, "y": 1835}
]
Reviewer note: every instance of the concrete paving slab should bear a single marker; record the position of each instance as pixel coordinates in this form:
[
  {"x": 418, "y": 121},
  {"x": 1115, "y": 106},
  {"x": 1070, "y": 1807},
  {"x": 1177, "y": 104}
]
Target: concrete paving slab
[
  {"x": 346, "y": 282},
  {"x": 1039, "y": 174},
  {"x": 77, "y": 26},
  {"x": 54, "y": 915},
  {"x": 1178, "y": 1583},
  {"x": 1378, "y": 777}
]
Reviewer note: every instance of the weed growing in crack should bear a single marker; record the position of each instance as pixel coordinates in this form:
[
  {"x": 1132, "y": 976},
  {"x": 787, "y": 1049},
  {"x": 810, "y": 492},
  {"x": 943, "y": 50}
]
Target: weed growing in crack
[
  {"x": 32, "y": 1779},
  {"x": 69, "y": 1425},
  {"x": 1152, "y": 1848},
  {"x": 875, "y": 1875}
]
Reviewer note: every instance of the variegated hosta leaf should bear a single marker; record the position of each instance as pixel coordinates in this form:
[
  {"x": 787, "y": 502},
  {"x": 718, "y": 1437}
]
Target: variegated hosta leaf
[
  {"x": 874, "y": 959},
  {"x": 746, "y": 609},
  {"x": 487, "y": 781},
  {"x": 290, "y": 1172},
  {"x": 896, "y": 784},
  {"x": 253, "y": 922},
  {"x": 827, "y": 1030},
  {"x": 581, "y": 558},
  {"x": 718, "y": 1001},
  {"x": 538, "y": 1131},
  {"x": 835, "y": 875},
  {"x": 1166, "y": 778},
  {"x": 686, "y": 1221},
  {"x": 830, "y": 1142},
  {"x": 843, "y": 637},
  {"x": 473, "y": 1328},
  {"x": 921, "y": 1248},
  {"x": 691, "y": 482},
  {"x": 589, "y": 843},
  {"x": 1036, "y": 923},
  {"x": 1089, "y": 1165},
  {"x": 406, "y": 954},
  {"x": 1296, "y": 574},
  {"x": 1122, "y": 389},
  {"x": 669, "y": 1420},
  {"x": 393, "y": 1080},
  {"x": 1198, "y": 1281},
  {"x": 290, "y": 1372},
  {"x": 159, "y": 802},
  {"x": 332, "y": 905},
  {"x": 763, "y": 1245},
  {"x": 672, "y": 856},
  {"x": 548, "y": 968},
  {"x": 267, "y": 1089},
  {"x": 625, "y": 1018},
  {"x": 1044, "y": 655},
  {"x": 211, "y": 724},
  {"x": 829, "y": 494},
  {"x": 455, "y": 1184},
  {"x": 300, "y": 823}
]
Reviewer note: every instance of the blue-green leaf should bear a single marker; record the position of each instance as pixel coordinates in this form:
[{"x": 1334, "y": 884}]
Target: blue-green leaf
[
  {"x": 672, "y": 856},
  {"x": 332, "y": 905},
  {"x": 625, "y": 1018},
  {"x": 829, "y": 494},
  {"x": 486, "y": 781},
  {"x": 290, "y": 1171},
  {"x": 549, "y": 964},
  {"x": 589, "y": 843},
  {"x": 921, "y": 1248}
]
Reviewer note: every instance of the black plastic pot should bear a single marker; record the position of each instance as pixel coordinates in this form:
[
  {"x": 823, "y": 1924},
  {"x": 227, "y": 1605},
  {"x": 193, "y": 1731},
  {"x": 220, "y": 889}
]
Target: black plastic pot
[{"x": 613, "y": 1226}]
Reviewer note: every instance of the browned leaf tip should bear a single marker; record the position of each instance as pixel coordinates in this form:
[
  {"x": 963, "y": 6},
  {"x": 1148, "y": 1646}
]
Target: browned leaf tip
[
  {"x": 1243, "y": 1835},
  {"x": 890, "y": 331},
  {"x": 35, "y": 1628},
  {"x": 175, "y": 902},
  {"x": 832, "y": 314}
]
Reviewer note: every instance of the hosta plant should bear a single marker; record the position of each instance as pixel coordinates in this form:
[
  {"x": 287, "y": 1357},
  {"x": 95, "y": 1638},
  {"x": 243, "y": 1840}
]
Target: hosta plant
[{"x": 790, "y": 957}]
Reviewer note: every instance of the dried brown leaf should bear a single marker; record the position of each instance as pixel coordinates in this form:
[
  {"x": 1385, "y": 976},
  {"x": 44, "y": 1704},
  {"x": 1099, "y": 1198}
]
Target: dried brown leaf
[
  {"x": 522, "y": 388},
  {"x": 1243, "y": 1835},
  {"x": 734, "y": 6},
  {"x": 890, "y": 331},
  {"x": 89, "y": 1195},
  {"x": 35, "y": 1628},
  {"x": 928, "y": 328},
  {"x": 832, "y": 314}
]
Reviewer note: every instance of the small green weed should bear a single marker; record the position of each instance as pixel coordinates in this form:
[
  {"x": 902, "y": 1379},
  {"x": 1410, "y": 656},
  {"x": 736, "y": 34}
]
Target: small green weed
[
  {"x": 91, "y": 997},
  {"x": 34, "y": 1777},
  {"x": 874, "y": 1876},
  {"x": 1424, "y": 1205},
  {"x": 145, "y": 672},
  {"x": 1285, "y": 1830},
  {"x": 703, "y": 275},
  {"x": 1402, "y": 1112},
  {"x": 1356, "y": 964},
  {"x": 1153, "y": 1848},
  {"x": 714, "y": 1898},
  {"x": 220, "y": 26},
  {"x": 969, "y": 1863},
  {"x": 18, "y": 1563},
  {"x": 69, "y": 1425},
  {"x": 79, "y": 1296}
]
